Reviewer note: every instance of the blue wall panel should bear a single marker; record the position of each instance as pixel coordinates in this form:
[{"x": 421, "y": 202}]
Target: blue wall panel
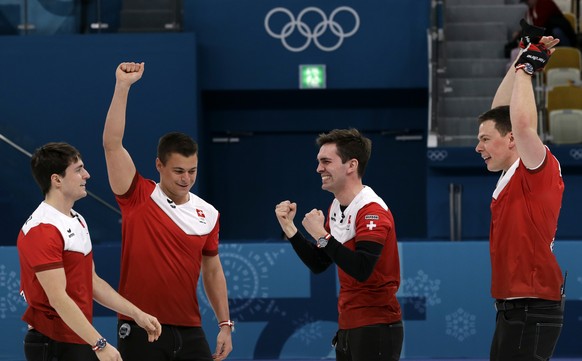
[
  {"x": 263, "y": 169},
  {"x": 58, "y": 88},
  {"x": 463, "y": 166},
  {"x": 285, "y": 312},
  {"x": 389, "y": 50}
]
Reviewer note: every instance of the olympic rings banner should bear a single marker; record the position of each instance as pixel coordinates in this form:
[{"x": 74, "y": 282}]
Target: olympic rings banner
[
  {"x": 312, "y": 35},
  {"x": 260, "y": 45}
]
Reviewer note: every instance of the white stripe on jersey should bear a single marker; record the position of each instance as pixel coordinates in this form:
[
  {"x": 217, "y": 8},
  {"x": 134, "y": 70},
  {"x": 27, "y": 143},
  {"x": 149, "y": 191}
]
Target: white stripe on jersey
[
  {"x": 344, "y": 228},
  {"x": 74, "y": 229},
  {"x": 195, "y": 217}
]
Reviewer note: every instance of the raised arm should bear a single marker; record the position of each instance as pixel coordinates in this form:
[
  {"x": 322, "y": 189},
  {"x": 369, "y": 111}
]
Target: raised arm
[
  {"x": 530, "y": 34},
  {"x": 120, "y": 167},
  {"x": 505, "y": 89},
  {"x": 524, "y": 121},
  {"x": 522, "y": 107}
]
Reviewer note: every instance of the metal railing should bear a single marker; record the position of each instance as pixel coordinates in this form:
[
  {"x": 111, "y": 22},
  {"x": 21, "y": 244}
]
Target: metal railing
[
  {"x": 29, "y": 155},
  {"x": 435, "y": 39}
]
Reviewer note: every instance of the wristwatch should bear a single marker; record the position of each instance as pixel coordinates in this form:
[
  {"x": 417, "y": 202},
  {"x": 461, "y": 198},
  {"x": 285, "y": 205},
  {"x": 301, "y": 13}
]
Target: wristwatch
[
  {"x": 100, "y": 344},
  {"x": 526, "y": 67},
  {"x": 322, "y": 241}
]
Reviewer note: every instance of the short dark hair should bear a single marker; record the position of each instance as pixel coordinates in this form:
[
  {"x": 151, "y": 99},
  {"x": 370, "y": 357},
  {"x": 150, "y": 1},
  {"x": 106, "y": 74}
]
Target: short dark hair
[
  {"x": 176, "y": 142},
  {"x": 52, "y": 158},
  {"x": 500, "y": 116},
  {"x": 351, "y": 144}
]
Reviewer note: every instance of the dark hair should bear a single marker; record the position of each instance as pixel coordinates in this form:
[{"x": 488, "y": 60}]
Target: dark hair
[
  {"x": 176, "y": 142},
  {"x": 52, "y": 158},
  {"x": 500, "y": 116},
  {"x": 351, "y": 144}
]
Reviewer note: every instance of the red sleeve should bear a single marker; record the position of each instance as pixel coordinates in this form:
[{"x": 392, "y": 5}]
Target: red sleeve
[
  {"x": 140, "y": 190},
  {"x": 373, "y": 223},
  {"x": 546, "y": 175},
  {"x": 42, "y": 247}
]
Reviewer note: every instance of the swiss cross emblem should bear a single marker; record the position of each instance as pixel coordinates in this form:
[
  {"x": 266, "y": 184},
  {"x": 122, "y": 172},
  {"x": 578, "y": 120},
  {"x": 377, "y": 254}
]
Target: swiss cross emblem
[
  {"x": 371, "y": 225},
  {"x": 200, "y": 213}
]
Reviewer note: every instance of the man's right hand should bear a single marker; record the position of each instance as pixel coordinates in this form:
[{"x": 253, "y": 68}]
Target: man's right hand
[
  {"x": 536, "y": 55},
  {"x": 129, "y": 73},
  {"x": 285, "y": 212},
  {"x": 120, "y": 167}
]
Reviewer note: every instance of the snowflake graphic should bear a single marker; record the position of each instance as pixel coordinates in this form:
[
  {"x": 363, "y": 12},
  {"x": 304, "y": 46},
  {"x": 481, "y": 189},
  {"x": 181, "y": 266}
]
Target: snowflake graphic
[
  {"x": 246, "y": 273},
  {"x": 421, "y": 288},
  {"x": 309, "y": 330},
  {"x": 460, "y": 324},
  {"x": 10, "y": 300}
]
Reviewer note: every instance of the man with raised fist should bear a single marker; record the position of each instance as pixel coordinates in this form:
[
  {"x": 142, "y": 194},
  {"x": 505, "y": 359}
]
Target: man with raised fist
[{"x": 169, "y": 241}]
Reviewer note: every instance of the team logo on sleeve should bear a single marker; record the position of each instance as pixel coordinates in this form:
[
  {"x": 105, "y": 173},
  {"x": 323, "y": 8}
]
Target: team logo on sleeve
[{"x": 371, "y": 225}]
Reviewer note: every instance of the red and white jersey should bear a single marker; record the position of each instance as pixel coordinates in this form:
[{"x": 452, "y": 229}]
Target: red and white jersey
[
  {"x": 524, "y": 218},
  {"x": 161, "y": 252},
  {"x": 374, "y": 301},
  {"x": 50, "y": 240}
]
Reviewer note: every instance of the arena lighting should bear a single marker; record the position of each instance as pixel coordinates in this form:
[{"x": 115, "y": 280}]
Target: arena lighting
[{"x": 312, "y": 76}]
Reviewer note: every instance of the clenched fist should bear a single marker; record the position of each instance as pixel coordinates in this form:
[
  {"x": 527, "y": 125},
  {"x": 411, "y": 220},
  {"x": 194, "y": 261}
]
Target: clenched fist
[
  {"x": 313, "y": 223},
  {"x": 285, "y": 212}
]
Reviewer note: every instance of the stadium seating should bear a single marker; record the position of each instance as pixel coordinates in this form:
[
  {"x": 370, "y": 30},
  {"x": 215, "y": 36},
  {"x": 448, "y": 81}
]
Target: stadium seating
[
  {"x": 566, "y": 126},
  {"x": 562, "y": 76}
]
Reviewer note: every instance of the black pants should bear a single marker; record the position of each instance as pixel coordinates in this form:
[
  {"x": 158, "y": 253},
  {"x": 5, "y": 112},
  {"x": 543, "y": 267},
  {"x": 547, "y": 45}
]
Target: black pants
[
  {"x": 175, "y": 343},
  {"x": 38, "y": 347},
  {"x": 370, "y": 343},
  {"x": 526, "y": 329}
]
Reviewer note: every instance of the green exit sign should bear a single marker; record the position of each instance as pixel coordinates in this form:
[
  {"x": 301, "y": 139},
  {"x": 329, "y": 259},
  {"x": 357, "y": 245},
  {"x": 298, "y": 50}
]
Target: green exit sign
[{"x": 312, "y": 77}]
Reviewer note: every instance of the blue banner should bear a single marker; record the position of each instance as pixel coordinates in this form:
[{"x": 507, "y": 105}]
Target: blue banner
[{"x": 261, "y": 44}]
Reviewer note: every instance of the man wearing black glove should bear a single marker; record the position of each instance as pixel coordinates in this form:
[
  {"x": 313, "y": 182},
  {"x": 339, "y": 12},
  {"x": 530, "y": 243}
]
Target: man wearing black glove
[
  {"x": 533, "y": 58},
  {"x": 526, "y": 280}
]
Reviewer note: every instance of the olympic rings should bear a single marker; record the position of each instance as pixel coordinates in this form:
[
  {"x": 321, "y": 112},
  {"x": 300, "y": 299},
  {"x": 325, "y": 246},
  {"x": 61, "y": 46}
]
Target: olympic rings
[
  {"x": 437, "y": 155},
  {"x": 307, "y": 32},
  {"x": 576, "y": 153}
]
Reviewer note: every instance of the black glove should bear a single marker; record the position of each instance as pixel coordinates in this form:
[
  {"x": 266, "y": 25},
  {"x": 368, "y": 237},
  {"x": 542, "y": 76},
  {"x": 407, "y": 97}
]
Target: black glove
[
  {"x": 536, "y": 55},
  {"x": 530, "y": 34}
]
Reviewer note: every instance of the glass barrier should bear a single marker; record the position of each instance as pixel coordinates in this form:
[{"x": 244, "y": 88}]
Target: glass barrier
[{"x": 49, "y": 17}]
